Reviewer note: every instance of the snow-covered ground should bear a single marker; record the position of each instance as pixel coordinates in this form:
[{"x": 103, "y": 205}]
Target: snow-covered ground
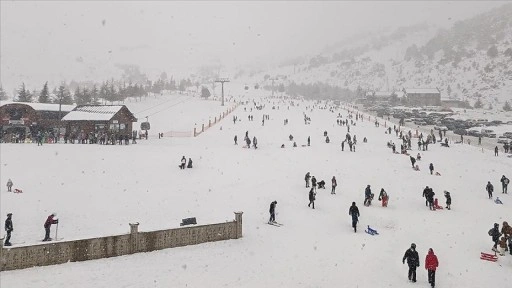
[{"x": 97, "y": 190}]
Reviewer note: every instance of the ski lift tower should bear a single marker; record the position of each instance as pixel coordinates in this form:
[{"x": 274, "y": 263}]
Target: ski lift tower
[
  {"x": 222, "y": 81},
  {"x": 273, "y": 79}
]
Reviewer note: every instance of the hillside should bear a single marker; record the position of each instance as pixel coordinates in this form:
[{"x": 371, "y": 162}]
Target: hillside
[{"x": 471, "y": 59}]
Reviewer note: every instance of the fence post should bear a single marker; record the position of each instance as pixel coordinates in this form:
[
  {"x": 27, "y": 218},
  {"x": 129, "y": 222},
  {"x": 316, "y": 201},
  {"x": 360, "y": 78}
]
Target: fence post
[
  {"x": 238, "y": 221},
  {"x": 134, "y": 237}
]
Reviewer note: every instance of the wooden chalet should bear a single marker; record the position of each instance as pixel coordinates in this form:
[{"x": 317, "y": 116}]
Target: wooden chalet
[{"x": 94, "y": 119}]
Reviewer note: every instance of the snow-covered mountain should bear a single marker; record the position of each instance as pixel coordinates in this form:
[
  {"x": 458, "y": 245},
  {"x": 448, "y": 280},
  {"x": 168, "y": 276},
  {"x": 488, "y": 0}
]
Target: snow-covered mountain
[{"x": 471, "y": 59}]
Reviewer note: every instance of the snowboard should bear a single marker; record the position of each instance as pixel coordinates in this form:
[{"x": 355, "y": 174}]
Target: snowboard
[{"x": 488, "y": 257}]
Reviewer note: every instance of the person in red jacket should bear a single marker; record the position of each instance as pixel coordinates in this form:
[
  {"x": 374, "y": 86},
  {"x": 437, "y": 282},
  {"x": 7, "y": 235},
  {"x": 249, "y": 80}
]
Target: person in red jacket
[
  {"x": 431, "y": 264},
  {"x": 47, "y": 224}
]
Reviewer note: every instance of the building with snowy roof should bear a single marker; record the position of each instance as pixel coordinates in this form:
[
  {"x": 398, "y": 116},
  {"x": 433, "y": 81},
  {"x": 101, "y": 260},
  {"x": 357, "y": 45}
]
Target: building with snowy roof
[
  {"x": 22, "y": 118},
  {"x": 87, "y": 119},
  {"x": 422, "y": 96}
]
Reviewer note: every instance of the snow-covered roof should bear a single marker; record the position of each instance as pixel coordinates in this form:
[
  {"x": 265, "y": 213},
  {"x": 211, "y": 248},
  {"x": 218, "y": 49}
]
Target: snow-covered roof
[
  {"x": 421, "y": 90},
  {"x": 93, "y": 113},
  {"x": 43, "y": 106}
]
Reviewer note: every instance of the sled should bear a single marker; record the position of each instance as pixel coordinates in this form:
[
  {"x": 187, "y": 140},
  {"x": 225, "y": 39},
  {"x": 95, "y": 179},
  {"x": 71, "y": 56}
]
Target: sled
[
  {"x": 371, "y": 231},
  {"x": 488, "y": 257},
  {"x": 18, "y": 191}
]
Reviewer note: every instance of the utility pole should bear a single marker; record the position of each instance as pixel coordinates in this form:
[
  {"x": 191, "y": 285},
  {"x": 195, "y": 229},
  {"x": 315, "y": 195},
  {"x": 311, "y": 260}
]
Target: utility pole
[
  {"x": 273, "y": 79},
  {"x": 222, "y": 81}
]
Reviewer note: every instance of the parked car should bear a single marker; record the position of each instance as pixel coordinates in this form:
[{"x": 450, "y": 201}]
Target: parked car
[
  {"x": 474, "y": 133},
  {"x": 442, "y": 128},
  {"x": 460, "y": 132},
  {"x": 502, "y": 140}
]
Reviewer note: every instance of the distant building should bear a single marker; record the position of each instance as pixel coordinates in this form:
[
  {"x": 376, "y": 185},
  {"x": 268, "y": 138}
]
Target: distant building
[
  {"x": 24, "y": 119},
  {"x": 381, "y": 97},
  {"x": 450, "y": 103},
  {"x": 86, "y": 119},
  {"x": 422, "y": 96}
]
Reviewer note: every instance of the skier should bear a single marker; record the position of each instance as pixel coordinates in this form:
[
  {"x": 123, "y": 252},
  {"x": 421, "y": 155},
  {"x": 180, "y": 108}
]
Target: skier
[
  {"x": 367, "y": 196},
  {"x": 307, "y": 177},
  {"x": 431, "y": 167},
  {"x": 354, "y": 212},
  {"x": 189, "y": 165},
  {"x": 495, "y": 234},
  {"x": 504, "y": 183},
  {"x": 48, "y": 224},
  {"x": 9, "y": 185},
  {"x": 183, "y": 162},
  {"x": 413, "y": 160},
  {"x": 448, "y": 199},
  {"x": 334, "y": 183},
  {"x": 236, "y": 140},
  {"x": 272, "y": 212},
  {"x": 312, "y": 198},
  {"x": 413, "y": 261},
  {"x": 489, "y": 189},
  {"x": 431, "y": 263},
  {"x": 8, "y": 228},
  {"x": 384, "y": 197}
]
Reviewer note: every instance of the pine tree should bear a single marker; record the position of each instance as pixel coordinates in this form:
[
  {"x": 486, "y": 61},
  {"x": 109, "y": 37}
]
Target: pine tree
[
  {"x": 507, "y": 106},
  {"x": 23, "y": 94},
  {"x": 44, "y": 96},
  {"x": 3, "y": 94},
  {"x": 64, "y": 96},
  {"x": 94, "y": 95},
  {"x": 205, "y": 93}
]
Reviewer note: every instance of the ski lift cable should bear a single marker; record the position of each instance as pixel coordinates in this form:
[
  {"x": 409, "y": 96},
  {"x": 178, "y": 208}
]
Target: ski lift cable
[
  {"x": 185, "y": 100},
  {"x": 151, "y": 107}
]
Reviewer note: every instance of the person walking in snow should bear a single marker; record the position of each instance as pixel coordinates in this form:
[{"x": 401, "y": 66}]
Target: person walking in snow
[
  {"x": 309, "y": 140},
  {"x": 413, "y": 160},
  {"x": 413, "y": 261},
  {"x": 384, "y": 197},
  {"x": 307, "y": 178},
  {"x": 367, "y": 196},
  {"x": 334, "y": 183},
  {"x": 431, "y": 168},
  {"x": 236, "y": 140},
  {"x": 9, "y": 185},
  {"x": 495, "y": 234},
  {"x": 430, "y": 199},
  {"x": 489, "y": 189},
  {"x": 448, "y": 199},
  {"x": 504, "y": 184},
  {"x": 272, "y": 211},
  {"x": 343, "y": 145},
  {"x": 47, "y": 224},
  {"x": 496, "y": 151},
  {"x": 354, "y": 212},
  {"x": 255, "y": 142},
  {"x": 431, "y": 264},
  {"x": 189, "y": 165},
  {"x": 8, "y": 228},
  {"x": 312, "y": 198},
  {"x": 183, "y": 162},
  {"x": 313, "y": 182}
]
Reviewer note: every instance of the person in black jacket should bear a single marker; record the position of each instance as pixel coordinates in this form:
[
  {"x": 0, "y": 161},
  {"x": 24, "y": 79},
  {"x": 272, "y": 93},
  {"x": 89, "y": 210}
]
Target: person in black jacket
[
  {"x": 413, "y": 161},
  {"x": 489, "y": 189},
  {"x": 354, "y": 212},
  {"x": 495, "y": 234},
  {"x": 425, "y": 193},
  {"x": 448, "y": 199},
  {"x": 313, "y": 182},
  {"x": 431, "y": 167},
  {"x": 8, "y": 228},
  {"x": 189, "y": 165},
  {"x": 504, "y": 184},
  {"x": 272, "y": 212},
  {"x": 413, "y": 261},
  {"x": 430, "y": 199},
  {"x": 312, "y": 197}
]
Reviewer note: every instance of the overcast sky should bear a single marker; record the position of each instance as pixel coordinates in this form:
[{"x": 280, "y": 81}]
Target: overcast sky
[{"x": 55, "y": 41}]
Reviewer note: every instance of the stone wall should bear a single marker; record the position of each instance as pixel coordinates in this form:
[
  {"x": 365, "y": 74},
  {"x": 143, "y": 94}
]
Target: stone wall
[{"x": 51, "y": 253}]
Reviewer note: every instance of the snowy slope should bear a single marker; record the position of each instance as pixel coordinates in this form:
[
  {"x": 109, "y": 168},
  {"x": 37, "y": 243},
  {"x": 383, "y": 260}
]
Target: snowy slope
[{"x": 98, "y": 190}]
